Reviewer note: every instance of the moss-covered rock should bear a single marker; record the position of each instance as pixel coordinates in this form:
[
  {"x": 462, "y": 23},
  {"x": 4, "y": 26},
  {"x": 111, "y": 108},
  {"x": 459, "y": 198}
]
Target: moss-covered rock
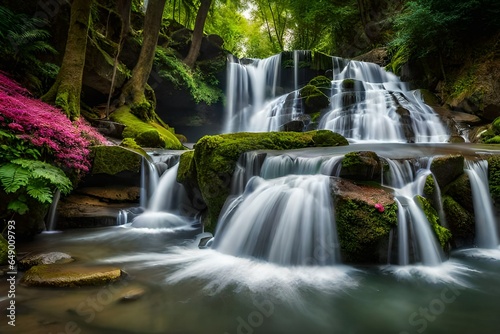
[
  {"x": 131, "y": 144},
  {"x": 494, "y": 176},
  {"x": 322, "y": 83},
  {"x": 64, "y": 275},
  {"x": 365, "y": 216},
  {"x": 147, "y": 134},
  {"x": 348, "y": 84},
  {"x": 363, "y": 165},
  {"x": 216, "y": 156},
  {"x": 3, "y": 250},
  {"x": 442, "y": 233},
  {"x": 314, "y": 99},
  {"x": 112, "y": 160},
  {"x": 461, "y": 192},
  {"x": 429, "y": 186},
  {"x": 447, "y": 168},
  {"x": 460, "y": 222}
]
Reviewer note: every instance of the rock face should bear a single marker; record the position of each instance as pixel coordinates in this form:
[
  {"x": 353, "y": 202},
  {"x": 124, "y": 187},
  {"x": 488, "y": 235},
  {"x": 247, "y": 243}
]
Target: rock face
[
  {"x": 63, "y": 275},
  {"x": 113, "y": 184}
]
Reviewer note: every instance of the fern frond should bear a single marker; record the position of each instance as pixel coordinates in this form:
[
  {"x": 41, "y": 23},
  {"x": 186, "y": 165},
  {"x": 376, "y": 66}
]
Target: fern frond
[
  {"x": 38, "y": 190},
  {"x": 18, "y": 206},
  {"x": 43, "y": 170},
  {"x": 13, "y": 177}
]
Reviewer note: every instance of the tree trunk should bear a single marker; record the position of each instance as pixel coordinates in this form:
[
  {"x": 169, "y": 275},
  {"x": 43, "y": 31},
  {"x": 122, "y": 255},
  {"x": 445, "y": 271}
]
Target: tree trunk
[
  {"x": 66, "y": 90},
  {"x": 133, "y": 91},
  {"x": 197, "y": 33},
  {"x": 123, "y": 8}
]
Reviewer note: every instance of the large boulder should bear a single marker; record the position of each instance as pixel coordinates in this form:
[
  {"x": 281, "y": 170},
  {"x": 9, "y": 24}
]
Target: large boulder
[
  {"x": 447, "y": 168},
  {"x": 215, "y": 160},
  {"x": 364, "y": 165},
  {"x": 365, "y": 216}
]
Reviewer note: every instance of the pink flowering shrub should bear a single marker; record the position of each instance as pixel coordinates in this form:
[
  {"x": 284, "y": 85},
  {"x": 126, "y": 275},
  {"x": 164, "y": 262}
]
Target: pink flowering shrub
[{"x": 64, "y": 142}]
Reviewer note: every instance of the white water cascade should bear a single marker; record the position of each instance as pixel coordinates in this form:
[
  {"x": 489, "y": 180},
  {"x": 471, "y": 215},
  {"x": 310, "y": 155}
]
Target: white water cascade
[
  {"x": 486, "y": 223},
  {"x": 284, "y": 214},
  {"x": 367, "y": 103},
  {"x": 408, "y": 181}
]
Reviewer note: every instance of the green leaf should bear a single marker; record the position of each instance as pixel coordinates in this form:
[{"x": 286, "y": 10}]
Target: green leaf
[
  {"x": 42, "y": 170},
  {"x": 39, "y": 191},
  {"x": 18, "y": 207},
  {"x": 13, "y": 177}
]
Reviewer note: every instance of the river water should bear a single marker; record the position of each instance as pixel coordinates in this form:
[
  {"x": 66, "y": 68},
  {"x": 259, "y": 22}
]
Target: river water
[{"x": 184, "y": 289}]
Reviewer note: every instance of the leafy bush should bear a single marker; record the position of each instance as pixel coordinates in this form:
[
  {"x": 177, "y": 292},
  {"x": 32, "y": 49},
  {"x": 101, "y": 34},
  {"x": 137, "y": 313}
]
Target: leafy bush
[
  {"x": 201, "y": 85},
  {"x": 39, "y": 148},
  {"x": 45, "y": 128}
]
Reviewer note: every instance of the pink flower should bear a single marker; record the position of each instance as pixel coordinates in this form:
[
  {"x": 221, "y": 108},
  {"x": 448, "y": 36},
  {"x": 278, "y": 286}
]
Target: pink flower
[{"x": 379, "y": 207}]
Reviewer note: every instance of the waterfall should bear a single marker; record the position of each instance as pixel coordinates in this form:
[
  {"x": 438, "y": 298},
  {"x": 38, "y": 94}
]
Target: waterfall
[
  {"x": 250, "y": 86},
  {"x": 370, "y": 104},
  {"x": 486, "y": 223},
  {"x": 149, "y": 180},
  {"x": 51, "y": 215},
  {"x": 281, "y": 210},
  {"x": 287, "y": 220},
  {"x": 161, "y": 197},
  {"x": 408, "y": 181},
  {"x": 367, "y": 103}
]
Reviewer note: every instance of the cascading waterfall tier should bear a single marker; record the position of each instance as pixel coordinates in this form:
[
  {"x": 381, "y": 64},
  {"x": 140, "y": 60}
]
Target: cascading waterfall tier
[
  {"x": 284, "y": 214},
  {"x": 415, "y": 236},
  {"x": 486, "y": 224},
  {"x": 367, "y": 103}
]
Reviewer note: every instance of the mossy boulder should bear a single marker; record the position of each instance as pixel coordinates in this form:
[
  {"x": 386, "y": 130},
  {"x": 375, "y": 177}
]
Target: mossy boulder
[
  {"x": 443, "y": 235},
  {"x": 112, "y": 160},
  {"x": 216, "y": 156},
  {"x": 494, "y": 176},
  {"x": 461, "y": 192},
  {"x": 460, "y": 221},
  {"x": 67, "y": 275},
  {"x": 314, "y": 99},
  {"x": 447, "y": 168},
  {"x": 322, "y": 83},
  {"x": 3, "y": 250},
  {"x": 365, "y": 216},
  {"x": 146, "y": 133},
  {"x": 363, "y": 165}
]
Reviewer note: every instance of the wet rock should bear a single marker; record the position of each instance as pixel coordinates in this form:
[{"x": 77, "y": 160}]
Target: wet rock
[
  {"x": 447, "y": 168},
  {"x": 131, "y": 294},
  {"x": 115, "y": 193},
  {"x": 44, "y": 258},
  {"x": 295, "y": 126},
  {"x": 67, "y": 275},
  {"x": 460, "y": 221},
  {"x": 364, "y": 165},
  {"x": 314, "y": 99},
  {"x": 363, "y": 227}
]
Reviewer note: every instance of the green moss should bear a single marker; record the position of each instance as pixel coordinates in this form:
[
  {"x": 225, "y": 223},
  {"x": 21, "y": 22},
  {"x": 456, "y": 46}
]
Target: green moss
[
  {"x": 348, "y": 84},
  {"x": 3, "y": 250},
  {"x": 429, "y": 98},
  {"x": 430, "y": 186},
  {"x": 115, "y": 159},
  {"x": 495, "y": 125},
  {"x": 442, "y": 233},
  {"x": 186, "y": 172},
  {"x": 314, "y": 99},
  {"x": 216, "y": 157},
  {"x": 321, "y": 82},
  {"x": 362, "y": 228},
  {"x": 494, "y": 177},
  {"x": 135, "y": 127},
  {"x": 493, "y": 140},
  {"x": 460, "y": 221}
]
